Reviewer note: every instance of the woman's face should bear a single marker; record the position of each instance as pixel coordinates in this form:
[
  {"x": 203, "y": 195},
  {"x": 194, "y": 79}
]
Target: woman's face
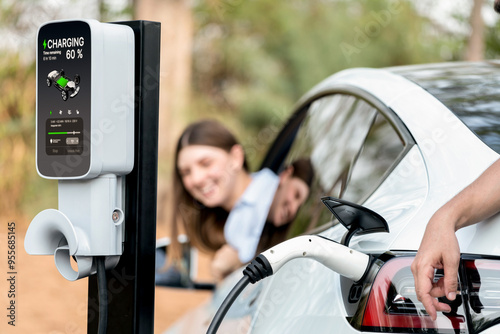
[
  {"x": 208, "y": 173},
  {"x": 290, "y": 195}
]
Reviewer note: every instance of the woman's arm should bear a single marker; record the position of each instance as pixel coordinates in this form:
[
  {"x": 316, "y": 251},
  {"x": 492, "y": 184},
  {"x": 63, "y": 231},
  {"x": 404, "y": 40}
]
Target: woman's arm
[{"x": 225, "y": 262}]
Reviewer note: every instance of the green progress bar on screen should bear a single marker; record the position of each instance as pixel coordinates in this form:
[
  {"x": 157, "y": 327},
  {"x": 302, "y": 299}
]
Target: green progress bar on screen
[{"x": 65, "y": 133}]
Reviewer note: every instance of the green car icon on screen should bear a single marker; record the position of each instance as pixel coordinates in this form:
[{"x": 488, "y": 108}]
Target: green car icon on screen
[{"x": 67, "y": 87}]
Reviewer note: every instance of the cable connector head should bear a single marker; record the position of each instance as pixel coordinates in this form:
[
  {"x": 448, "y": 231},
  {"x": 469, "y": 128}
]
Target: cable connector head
[
  {"x": 339, "y": 258},
  {"x": 258, "y": 269}
]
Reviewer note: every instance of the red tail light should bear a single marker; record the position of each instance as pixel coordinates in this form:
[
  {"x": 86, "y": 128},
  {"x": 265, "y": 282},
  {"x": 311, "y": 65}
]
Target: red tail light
[
  {"x": 482, "y": 278},
  {"x": 392, "y": 305}
]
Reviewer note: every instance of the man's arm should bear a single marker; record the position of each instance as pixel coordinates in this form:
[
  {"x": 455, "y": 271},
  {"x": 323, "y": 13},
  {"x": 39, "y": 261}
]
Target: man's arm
[{"x": 439, "y": 248}]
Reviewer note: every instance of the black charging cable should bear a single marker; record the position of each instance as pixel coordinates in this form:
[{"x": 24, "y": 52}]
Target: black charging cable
[
  {"x": 103, "y": 294},
  {"x": 258, "y": 269}
]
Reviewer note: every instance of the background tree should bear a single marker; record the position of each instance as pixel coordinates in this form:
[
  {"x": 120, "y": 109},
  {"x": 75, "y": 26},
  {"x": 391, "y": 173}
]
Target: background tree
[
  {"x": 175, "y": 80},
  {"x": 475, "y": 43}
]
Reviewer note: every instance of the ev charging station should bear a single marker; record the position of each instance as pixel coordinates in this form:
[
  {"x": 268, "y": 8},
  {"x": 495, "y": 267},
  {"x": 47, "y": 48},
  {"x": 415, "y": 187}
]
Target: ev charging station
[{"x": 97, "y": 134}]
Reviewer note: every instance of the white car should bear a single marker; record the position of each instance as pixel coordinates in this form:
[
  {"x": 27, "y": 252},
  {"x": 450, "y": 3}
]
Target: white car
[{"x": 400, "y": 141}]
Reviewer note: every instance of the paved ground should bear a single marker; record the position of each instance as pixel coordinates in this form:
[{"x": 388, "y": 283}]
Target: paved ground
[{"x": 46, "y": 303}]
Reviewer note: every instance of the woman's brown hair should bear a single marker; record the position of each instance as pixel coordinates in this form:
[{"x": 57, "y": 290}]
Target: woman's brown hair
[{"x": 204, "y": 226}]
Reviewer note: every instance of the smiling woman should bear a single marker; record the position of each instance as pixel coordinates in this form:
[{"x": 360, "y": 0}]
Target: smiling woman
[
  {"x": 210, "y": 175},
  {"x": 213, "y": 185},
  {"x": 213, "y": 176},
  {"x": 221, "y": 206}
]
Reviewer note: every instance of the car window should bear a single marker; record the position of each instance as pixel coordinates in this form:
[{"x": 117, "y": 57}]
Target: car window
[
  {"x": 376, "y": 156},
  {"x": 351, "y": 146}
]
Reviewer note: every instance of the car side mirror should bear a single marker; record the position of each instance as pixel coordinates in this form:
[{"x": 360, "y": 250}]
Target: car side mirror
[{"x": 356, "y": 218}]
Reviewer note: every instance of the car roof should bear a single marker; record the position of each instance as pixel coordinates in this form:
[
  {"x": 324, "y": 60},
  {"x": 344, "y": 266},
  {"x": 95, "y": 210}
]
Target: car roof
[{"x": 468, "y": 89}]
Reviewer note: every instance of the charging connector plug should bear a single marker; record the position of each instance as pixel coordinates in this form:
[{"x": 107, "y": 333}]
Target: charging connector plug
[
  {"x": 343, "y": 260},
  {"x": 339, "y": 258}
]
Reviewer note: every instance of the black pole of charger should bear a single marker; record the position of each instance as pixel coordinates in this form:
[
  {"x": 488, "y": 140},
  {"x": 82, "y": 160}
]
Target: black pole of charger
[{"x": 131, "y": 285}]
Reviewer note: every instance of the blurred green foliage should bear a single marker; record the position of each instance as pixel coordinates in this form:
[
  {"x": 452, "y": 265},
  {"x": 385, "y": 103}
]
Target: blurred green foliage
[
  {"x": 22, "y": 190},
  {"x": 252, "y": 59},
  {"x": 492, "y": 41}
]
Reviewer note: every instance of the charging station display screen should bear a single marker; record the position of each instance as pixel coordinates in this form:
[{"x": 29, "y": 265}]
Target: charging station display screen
[
  {"x": 64, "y": 136},
  {"x": 63, "y": 99}
]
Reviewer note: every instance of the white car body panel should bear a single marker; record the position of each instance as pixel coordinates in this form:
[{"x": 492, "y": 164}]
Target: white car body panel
[{"x": 306, "y": 297}]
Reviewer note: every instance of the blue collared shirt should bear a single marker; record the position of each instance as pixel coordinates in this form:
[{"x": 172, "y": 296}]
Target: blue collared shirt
[{"x": 246, "y": 220}]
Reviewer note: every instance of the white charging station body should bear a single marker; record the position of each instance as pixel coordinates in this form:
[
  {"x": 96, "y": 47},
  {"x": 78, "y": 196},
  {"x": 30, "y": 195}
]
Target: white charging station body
[{"x": 85, "y": 139}]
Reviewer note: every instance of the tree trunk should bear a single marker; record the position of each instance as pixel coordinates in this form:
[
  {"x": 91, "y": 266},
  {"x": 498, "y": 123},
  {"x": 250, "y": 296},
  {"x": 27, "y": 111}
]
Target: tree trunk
[
  {"x": 475, "y": 44},
  {"x": 175, "y": 77}
]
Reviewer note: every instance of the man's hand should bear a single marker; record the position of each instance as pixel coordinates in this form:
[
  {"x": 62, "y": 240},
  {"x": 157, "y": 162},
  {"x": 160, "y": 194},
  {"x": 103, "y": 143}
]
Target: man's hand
[{"x": 439, "y": 250}]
